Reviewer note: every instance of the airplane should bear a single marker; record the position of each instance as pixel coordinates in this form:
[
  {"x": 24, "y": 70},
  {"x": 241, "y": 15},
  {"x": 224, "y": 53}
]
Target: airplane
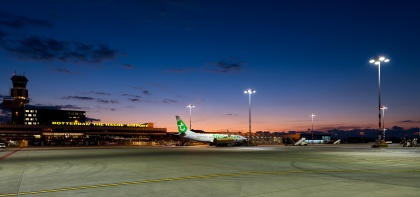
[{"x": 213, "y": 139}]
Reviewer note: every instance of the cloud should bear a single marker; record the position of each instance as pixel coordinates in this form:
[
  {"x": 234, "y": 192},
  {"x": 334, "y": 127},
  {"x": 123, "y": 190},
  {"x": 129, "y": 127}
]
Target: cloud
[
  {"x": 50, "y": 107},
  {"x": 62, "y": 70},
  {"x": 231, "y": 114},
  {"x": 144, "y": 91},
  {"x": 78, "y": 98},
  {"x": 58, "y": 107},
  {"x": 105, "y": 108},
  {"x": 409, "y": 121},
  {"x": 88, "y": 119},
  {"x": 169, "y": 101},
  {"x": 72, "y": 107},
  {"x": 38, "y": 48},
  {"x": 184, "y": 70},
  {"x": 2, "y": 97},
  {"x": 19, "y": 22},
  {"x": 134, "y": 99},
  {"x": 107, "y": 101},
  {"x": 128, "y": 66},
  {"x": 102, "y": 52},
  {"x": 49, "y": 49},
  {"x": 102, "y": 101},
  {"x": 229, "y": 66},
  {"x": 3, "y": 35},
  {"x": 131, "y": 95},
  {"x": 86, "y": 98},
  {"x": 98, "y": 93}
]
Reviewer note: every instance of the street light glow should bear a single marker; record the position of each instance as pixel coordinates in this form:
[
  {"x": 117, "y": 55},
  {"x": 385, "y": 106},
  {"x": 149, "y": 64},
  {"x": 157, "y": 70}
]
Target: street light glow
[
  {"x": 249, "y": 92},
  {"x": 378, "y": 62},
  {"x": 190, "y": 106},
  {"x": 312, "y": 131}
]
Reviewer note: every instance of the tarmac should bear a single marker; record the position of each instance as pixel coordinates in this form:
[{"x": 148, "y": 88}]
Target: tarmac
[{"x": 260, "y": 171}]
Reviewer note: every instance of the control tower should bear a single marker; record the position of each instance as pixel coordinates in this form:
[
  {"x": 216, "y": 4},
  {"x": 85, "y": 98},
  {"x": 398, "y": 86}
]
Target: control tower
[{"x": 18, "y": 99}]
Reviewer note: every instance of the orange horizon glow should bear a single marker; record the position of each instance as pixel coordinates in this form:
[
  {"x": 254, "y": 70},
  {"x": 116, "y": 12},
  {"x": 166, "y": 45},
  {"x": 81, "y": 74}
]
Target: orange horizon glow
[{"x": 239, "y": 125}]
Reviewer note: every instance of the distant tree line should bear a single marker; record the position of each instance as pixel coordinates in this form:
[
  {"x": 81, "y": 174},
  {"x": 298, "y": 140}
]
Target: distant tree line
[{"x": 394, "y": 132}]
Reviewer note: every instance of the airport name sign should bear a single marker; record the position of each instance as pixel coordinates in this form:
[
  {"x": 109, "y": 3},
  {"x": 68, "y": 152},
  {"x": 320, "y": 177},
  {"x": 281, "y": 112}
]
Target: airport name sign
[{"x": 99, "y": 124}]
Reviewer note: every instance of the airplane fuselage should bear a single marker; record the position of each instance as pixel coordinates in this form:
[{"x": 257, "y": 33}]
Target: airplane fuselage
[
  {"x": 212, "y": 138},
  {"x": 217, "y": 139}
]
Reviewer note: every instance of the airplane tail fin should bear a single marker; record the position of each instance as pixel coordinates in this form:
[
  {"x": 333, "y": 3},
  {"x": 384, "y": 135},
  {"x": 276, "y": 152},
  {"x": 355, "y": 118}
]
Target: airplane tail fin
[{"x": 182, "y": 127}]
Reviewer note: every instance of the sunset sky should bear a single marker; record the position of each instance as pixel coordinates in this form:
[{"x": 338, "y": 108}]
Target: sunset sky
[{"x": 126, "y": 61}]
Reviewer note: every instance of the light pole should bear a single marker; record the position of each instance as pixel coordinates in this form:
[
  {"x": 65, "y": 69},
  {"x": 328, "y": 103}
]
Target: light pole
[
  {"x": 249, "y": 92},
  {"x": 383, "y": 119},
  {"x": 378, "y": 62},
  {"x": 312, "y": 116},
  {"x": 190, "y": 106}
]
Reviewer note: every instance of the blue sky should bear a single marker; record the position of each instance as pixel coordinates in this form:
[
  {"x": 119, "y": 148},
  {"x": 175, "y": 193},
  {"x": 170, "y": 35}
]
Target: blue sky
[{"x": 144, "y": 61}]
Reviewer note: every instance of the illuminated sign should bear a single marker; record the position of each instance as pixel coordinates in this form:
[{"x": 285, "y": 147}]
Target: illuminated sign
[
  {"x": 99, "y": 124},
  {"x": 218, "y": 136},
  {"x": 62, "y": 134}
]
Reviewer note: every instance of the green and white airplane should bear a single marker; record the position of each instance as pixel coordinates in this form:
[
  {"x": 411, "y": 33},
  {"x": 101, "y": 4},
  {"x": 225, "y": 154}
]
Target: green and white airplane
[{"x": 213, "y": 139}]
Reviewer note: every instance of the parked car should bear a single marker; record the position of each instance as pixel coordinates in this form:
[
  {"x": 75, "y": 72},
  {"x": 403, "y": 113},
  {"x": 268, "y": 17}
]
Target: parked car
[{"x": 2, "y": 145}]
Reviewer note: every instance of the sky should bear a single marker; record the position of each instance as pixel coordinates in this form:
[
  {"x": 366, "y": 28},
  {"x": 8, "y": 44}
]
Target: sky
[{"x": 126, "y": 61}]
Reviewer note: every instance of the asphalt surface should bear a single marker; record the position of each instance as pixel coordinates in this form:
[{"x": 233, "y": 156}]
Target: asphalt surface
[{"x": 318, "y": 170}]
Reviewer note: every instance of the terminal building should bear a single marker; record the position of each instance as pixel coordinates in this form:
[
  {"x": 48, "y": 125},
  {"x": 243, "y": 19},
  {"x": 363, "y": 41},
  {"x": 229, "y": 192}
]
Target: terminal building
[{"x": 38, "y": 126}]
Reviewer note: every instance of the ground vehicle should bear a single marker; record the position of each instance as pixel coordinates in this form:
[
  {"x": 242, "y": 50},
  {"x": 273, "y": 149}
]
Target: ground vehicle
[{"x": 2, "y": 145}]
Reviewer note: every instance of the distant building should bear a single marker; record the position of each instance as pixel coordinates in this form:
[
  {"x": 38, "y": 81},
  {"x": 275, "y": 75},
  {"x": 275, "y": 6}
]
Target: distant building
[
  {"x": 18, "y": 99},
  {"x": 40, "y": 126},
  {"x": 316, "y": 138},
  {"x": 32, "y": 115}
]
